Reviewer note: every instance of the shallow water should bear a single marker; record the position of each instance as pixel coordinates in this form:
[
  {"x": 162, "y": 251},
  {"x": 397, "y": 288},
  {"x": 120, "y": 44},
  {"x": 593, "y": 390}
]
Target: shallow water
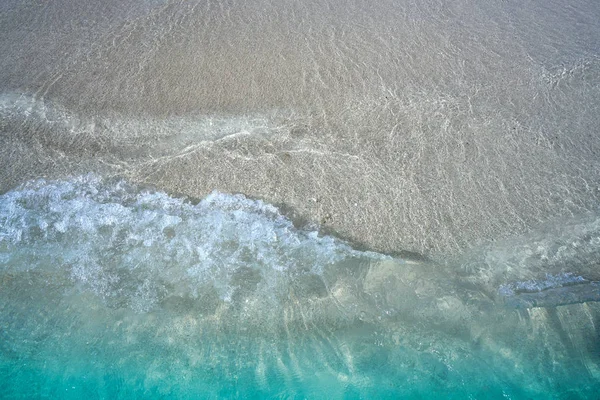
[
  {"x": 417, "y": 212},
  {"x": 407, "y": 126},
  {"x": 112, "y": 291}
]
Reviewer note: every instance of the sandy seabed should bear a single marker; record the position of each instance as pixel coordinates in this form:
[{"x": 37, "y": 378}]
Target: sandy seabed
[
  {"x": 402, "y": 126},
  {"x": 462, "y": 136}
]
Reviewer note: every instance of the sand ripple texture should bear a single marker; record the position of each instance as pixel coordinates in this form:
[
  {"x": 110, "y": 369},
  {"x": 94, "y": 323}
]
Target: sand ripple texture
[{"x": 424, "y": 127}]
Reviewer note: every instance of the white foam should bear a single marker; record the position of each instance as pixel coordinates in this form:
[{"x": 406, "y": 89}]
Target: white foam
[{"x": 134, "y": 246}]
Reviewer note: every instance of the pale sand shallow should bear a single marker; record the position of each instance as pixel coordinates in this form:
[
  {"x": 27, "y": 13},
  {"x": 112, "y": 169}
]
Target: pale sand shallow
[
  {"x": 445, "y": 130},
  {"x": 402, "y": 126}
]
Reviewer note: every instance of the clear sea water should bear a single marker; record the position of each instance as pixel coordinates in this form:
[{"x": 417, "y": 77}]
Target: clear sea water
[
  {"x": 297, "y": 199},
  {"x": 109, "y": 291}
]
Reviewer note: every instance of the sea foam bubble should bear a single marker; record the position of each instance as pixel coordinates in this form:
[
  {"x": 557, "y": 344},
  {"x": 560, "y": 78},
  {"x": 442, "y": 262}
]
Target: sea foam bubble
[{"x": 137, "y": 246}]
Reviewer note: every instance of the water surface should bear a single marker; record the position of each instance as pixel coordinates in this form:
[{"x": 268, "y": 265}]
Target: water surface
[{"x": 299, "y": 199}]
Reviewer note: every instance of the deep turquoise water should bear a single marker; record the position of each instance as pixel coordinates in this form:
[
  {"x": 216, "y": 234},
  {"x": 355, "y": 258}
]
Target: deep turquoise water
[{"x": 109, "y": 291}]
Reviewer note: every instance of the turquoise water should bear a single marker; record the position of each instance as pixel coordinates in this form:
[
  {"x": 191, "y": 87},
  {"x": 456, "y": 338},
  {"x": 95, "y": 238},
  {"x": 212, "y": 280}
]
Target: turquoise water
[{"x": 111, "y": 291}]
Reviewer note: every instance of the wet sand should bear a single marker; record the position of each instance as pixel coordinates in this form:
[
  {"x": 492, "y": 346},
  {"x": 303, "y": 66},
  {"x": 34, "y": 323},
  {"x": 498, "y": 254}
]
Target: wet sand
[{"x": 403, "y": 126}]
